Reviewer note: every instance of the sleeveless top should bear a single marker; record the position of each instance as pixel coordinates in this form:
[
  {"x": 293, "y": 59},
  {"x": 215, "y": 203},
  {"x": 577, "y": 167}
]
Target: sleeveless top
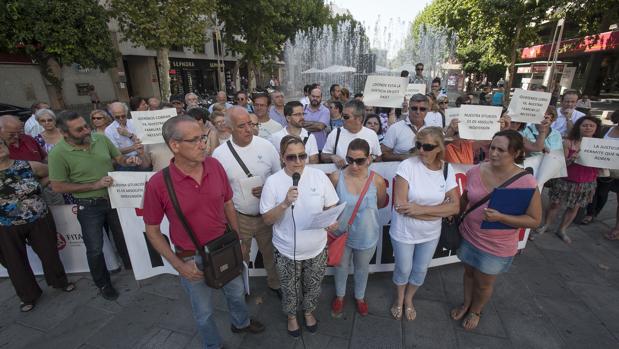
[
  {"x": 20, "y": 195},
  {"x": 578, "y": 173},
  {"x": 608, "y": 136},
  {"x": 365, "y": 229}
]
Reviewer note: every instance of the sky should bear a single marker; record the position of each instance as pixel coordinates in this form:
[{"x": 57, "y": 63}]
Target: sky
[{"x": 386, "y": 21}]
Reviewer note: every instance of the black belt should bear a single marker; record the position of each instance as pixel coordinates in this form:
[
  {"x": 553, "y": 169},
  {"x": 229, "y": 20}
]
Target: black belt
[{"x": 90, "y": 201}]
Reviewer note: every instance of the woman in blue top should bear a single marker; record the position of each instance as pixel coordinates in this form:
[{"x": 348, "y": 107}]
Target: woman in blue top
[{"x": 364, "y": 232}]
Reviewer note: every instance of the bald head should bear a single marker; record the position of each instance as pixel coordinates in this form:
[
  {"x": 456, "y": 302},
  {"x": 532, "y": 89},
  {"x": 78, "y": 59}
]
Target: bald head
[
  {"x": 10, "y": 128},
  {"x": 8, "y": 120}
]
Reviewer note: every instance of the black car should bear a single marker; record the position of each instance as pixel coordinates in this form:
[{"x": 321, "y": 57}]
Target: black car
[{"x": 22, "y": 113}]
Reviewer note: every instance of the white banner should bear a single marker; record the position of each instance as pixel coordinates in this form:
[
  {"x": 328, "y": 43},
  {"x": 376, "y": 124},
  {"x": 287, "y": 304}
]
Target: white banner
[
  {"x": 413, "y": 89},
  {"x": 70, "y": 245},
  {"x": 127, "y": 189},
  {"x": 450, "y": 114},
  {"x": 479, "y": 122},
  {"x": 528, "y": 106},
  {"x": 598, "y": 152},
  {"x": 384, "y": 91},
  {"x": 547, "y": 166},
  {"x": 148, "y": 124}
]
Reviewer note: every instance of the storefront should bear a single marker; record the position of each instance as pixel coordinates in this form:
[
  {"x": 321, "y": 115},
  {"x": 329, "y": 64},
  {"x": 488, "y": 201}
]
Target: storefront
[{"x": 197, "y": 75}]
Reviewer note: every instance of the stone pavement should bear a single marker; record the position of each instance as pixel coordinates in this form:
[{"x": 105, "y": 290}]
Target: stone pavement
[{"x": 554, "y": 296}]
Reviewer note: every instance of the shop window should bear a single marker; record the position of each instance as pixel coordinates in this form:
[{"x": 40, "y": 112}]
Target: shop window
[{"x": 176, "y": 48}]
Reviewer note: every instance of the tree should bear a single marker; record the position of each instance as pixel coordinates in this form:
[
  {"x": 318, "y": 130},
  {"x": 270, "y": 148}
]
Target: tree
[
  {"x": 162, "y": 24},
  {"x": 257, "y": 30},
  {"x": 57, "y": 33}
]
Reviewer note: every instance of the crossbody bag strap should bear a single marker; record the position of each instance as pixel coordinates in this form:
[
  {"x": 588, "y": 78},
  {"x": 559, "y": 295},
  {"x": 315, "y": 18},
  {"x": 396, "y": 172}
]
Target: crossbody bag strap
[
  {"x": 414, "y": 129},
  {"x": 337, "y": 139},
  {"x": 487, "y": 197},
  {"x": 366, "y": 186},
  {"x": 238, "y": 159},
  {"x": 172, "y": 194}
]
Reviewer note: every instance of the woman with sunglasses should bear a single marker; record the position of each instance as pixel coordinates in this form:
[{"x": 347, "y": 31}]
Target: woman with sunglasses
[
  {"x": 364, "y": 232},
  {"x": 99, "y": 120},
  {"x": 486, "y": 253},
  {"x": 300, "y": 254},
  {"x": 423, "y": 194}
]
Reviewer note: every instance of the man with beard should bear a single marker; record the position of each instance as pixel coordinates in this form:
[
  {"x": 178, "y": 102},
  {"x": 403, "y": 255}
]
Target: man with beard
[
  {"x": 294, "y": 115},
  {"x": 317, "y": 117},
  {"x": 79, "y": 165}
]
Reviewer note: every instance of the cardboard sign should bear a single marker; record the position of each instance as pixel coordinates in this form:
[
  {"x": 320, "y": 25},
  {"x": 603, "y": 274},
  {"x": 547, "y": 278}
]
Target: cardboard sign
[
  {"x": 528, "y": 106},
  {"x": 479, "y": 122},
  {"x": 450, "y": 114},
  {"x": 127, "y": 189},
  {"x": 412, "y": 89},
  {"x": 384, "y": 91},
  {"x": 148, "y": 124},
  {"x": 600, "y": 153}
]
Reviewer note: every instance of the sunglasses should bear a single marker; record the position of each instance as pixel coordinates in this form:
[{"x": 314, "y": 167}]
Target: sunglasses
[
  {"x": 357, "y": 161},
  {"x": 122, "y": 116},
  {"x": 425, "y": 146},
  {"x": 346, "y": 116},
  {"x": 296, "y": 157},
  {"x": 418, "y": 109},
  {"x": 419, "y": 69},
  {"x": 443, "y": 102},
  {"x": 98, "y": 118}
]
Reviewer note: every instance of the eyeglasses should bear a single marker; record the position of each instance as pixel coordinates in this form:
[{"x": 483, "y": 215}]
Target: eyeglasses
[
  {"x": 46, "y": 120},
  {"x": 425, "y": 146},
  {"x": 255, "y": 124},
  {"x": 196, "y": 140},
  {"x": 419, "y": 69},
  {"x": 97, "y": 118},
  {"x": 443, "y": 102},
  {"x": 357, "y": 161},
  {"x": 121, "y": 116},
  {"x": 296, "y": 157},
  {"x": 418, "y": 109}
]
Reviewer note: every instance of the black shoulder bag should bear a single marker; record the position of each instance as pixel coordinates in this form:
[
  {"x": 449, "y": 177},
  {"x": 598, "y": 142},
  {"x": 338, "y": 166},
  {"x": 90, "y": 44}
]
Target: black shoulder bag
[
  {"x": 221, "y": 257},
  {"x": 450, "y": 230}
]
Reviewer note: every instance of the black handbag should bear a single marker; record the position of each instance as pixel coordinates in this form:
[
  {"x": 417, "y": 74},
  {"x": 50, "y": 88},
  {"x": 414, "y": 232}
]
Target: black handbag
[
  {"x": 222, "y": 257},
  {"x": 450, "y": 238}
]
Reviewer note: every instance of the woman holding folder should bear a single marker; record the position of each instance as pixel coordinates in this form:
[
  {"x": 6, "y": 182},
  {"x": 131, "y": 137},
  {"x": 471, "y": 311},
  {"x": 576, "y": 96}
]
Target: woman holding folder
[{"x": 486, "y": 253}]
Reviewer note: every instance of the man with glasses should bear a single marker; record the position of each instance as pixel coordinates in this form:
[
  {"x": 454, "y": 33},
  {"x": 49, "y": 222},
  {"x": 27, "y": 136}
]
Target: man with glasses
[
  {"x": 401, "y": 136},
  {"x": 336, "y": 146},
  {"x": 317, "y": 116},
  {"x": 268, "y": 126},
  {"x": 122, "y": 133},
  {"x": 294, "y": 114},
  {"x": 248, "y": 161},
  {"x": 418, "y": 78},
  {"x": 205, "y": 197},
  {"x": 21, "y": 146},
  {"x": 240, "y": 99},
  {"x": 79, "y": 164}
]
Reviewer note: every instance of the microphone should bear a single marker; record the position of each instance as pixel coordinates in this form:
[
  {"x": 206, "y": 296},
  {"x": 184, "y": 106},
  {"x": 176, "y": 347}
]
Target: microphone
[{"x": 295, "y": 182}]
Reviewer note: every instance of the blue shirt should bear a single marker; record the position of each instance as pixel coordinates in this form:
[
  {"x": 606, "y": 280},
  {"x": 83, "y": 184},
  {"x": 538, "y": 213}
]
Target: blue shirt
[
  {"x": 275, "y": 115},
  {"x": 321, "y": 115},
  {"x": 552, "y": 142}
]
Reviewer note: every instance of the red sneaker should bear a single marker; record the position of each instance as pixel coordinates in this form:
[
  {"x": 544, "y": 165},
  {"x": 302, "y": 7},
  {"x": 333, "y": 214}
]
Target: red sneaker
[
  {"x": 337, "y": 306},
  {"x": 362, "y": 307}
]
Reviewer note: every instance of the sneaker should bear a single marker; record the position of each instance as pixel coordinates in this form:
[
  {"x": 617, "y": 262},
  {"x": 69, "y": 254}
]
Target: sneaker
[
  {"x": 254, "y": 327},
  {"x": 337, "y": 306},
  {"x": 362, "y": 307},
  {"x": 109, "y": 292}
]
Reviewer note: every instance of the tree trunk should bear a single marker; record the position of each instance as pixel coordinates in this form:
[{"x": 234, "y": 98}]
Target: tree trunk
[
  {"x": 52, "y": 73},
  {"x": 512, "y": 63},
  {"x": 251, "y": 71},
  {"x": 163, "y": 65}
]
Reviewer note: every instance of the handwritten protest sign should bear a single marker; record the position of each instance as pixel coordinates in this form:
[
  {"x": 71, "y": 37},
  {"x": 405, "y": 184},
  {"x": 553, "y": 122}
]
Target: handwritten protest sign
[
  {"x": 412, "y": 89},
  {"x": 478, "y": 122},
  {"x": 384, "y": 91},
  {"x": 450, "y": 114},
  {"x": 600, "y": 153},
  {"x": 148, "y": 124},
  {"x": 528, "y": 106},
  {"x": 127, "y": 189}
]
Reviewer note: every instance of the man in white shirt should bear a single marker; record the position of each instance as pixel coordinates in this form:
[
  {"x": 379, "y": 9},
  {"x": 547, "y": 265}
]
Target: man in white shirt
[
  {"x": 567, "y": 115},
  {"x": 32, "y": 126},
  {"x": 261, "y": 160},
  {"x": 268, "y": 126},
  {"x": 122, "y": 132},
  {"x": 400, "y": 137},
  {"x": 336, "y": 146},
  {"x": 294, "y": 116}
]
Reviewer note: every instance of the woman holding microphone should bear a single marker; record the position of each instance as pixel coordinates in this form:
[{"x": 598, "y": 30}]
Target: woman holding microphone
[{"x": 290, "y": 198}]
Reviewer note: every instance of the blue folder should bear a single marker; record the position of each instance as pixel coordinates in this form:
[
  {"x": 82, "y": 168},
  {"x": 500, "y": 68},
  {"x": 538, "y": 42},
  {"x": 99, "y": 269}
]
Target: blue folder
[{"x": 511, "y": 201}]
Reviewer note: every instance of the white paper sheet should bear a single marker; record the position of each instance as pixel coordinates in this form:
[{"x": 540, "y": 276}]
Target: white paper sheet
[
  {"x": 326, "y": 218},
  {"x": 247, "y": 184}
]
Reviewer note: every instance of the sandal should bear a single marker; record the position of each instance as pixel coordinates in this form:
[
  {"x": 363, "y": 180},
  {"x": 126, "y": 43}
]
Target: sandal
[
  {"x": 458, "y": 313},
  {"x": 69, "y": 288},
  {"x": 471, "y": 320},
  {"x": 411, "y": 313},
  {"x": 396, "y": 312},
  {"x": 26, "y": 307},
  {"x": 586, "y": 220},
  {"x": 563, "y": 236},
  {"x": 613, "y": 235}
]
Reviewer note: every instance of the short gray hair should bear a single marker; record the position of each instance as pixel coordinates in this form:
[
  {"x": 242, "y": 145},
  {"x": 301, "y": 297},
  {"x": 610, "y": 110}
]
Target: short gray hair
[
  {"x": 124, "y": 105},
  {"x": 190, "y": 94},
  {"x": 169, "y": 129},
  {"x": 418, "y": 97},
  {"x": 228, "y": 115},
  {"x": 42, "y": 112},
  {"x": 357, "y": 106}
]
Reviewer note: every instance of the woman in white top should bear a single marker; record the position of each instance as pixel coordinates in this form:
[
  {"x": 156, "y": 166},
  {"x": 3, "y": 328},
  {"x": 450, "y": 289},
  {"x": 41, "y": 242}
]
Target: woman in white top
[
  {"x": 299, "y": 252},
  {"x": 423, "y": 194}
]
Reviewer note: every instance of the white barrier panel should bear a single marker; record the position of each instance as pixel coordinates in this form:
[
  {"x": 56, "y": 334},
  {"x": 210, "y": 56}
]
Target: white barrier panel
[{"x": 70, "y": 245}]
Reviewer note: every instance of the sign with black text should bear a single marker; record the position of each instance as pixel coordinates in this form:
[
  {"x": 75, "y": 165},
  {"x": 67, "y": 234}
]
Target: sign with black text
[
  {"x": 478, "y": 122},
  {"x": 384, "y": 91},
  {"x": 599, "y": 153},
  {"x": 528, "y": 106},
  {"x": 148, "y": 124}
]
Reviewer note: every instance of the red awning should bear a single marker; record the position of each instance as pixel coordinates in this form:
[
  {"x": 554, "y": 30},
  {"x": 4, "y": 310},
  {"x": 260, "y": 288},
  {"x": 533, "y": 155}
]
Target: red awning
[
  {"x": 605, "y": 41},
  {"x": 9, "y": 58}
]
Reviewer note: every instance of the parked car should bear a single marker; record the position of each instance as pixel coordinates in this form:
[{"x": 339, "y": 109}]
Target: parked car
[{"x": 22, "y": 113}]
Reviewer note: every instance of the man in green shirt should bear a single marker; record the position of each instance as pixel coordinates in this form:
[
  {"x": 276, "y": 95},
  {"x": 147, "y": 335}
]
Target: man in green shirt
[{"x": 79, "y": 165}]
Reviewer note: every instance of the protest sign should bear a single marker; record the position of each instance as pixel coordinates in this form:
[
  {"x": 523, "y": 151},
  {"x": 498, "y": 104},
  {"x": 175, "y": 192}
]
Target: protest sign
[
  {"x": 413, "y": 89},
  {"x": 528, "y": 106},
  {"x": 148, "y": 124},
  {"x": 547, "y": 166},
  {"x": 384, "y": 91},
  {"x": 450, "y": 114},
  {"x": 127, "y": 189},
  {"x": 598, "y": 152},
  {"x": 478, "y": 122}
]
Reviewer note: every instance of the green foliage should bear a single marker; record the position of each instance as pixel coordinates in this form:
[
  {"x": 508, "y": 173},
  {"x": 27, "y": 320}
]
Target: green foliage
[{"x": 69, "y": 31}]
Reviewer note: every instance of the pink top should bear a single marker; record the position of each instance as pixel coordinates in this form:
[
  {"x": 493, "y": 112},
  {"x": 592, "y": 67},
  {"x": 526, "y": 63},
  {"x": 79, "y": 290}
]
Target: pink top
[
  {"x": 501, "y": 243},
  {"x": 578, "y": 173}
]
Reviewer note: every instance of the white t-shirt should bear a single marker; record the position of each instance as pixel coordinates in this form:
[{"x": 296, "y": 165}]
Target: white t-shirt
[
  {"x": 311, "y": 147},
  {"x": 261, "y": 159},
  {"x": 32, "y": 127},
  {"x": 400, "y": 138},
  {"x": 268, "y": 128},
  {"x": 425, "y": 187},
  {"x": 433, "y": 118},
  {"x": 346, "y": 137},
  {"x": 561, "y": 123},
  {"x": 121, "y": 141},
  {"x": 315, "y": 193},
  {"x": 305, "y": 101}
]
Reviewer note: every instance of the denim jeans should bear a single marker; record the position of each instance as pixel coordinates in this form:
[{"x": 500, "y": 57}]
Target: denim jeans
[
  {"x": 412, "y": 261},
  {"x": 201, "y": 297},
  {"x": 93, "y": 214},
  {"x": 361, "y": 260}
]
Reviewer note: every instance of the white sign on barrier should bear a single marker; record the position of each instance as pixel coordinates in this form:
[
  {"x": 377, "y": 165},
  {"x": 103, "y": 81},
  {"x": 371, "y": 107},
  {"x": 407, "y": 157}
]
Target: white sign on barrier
[
  {"x": 599, "y": 152},
  {"x": 528, "y": 106},
  {"x": 148, "y": 124},
  {"x": 479, "y": 122},
  {"x": 384, "y": 91}
]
